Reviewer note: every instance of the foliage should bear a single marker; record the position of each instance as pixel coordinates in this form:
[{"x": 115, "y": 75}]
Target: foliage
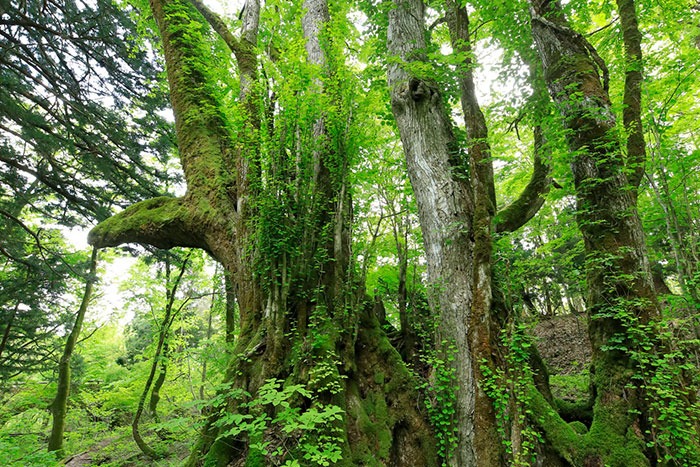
[
  {"x": 85, "y": 131},
  {"x": 509, "y": 390},
  {"x": 271, "y": 419},
  {"x": 439, "y": 401}
]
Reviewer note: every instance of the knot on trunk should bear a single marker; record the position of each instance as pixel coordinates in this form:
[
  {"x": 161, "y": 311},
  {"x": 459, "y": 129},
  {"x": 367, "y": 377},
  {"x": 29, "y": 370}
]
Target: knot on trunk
[{"x": 420, "y": 90}]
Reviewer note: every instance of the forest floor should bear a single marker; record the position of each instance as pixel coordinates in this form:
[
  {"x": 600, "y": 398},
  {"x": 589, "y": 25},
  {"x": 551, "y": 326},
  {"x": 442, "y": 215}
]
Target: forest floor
[
  {"x": 563, "y": 343},
  {"x": 111, "y": 451},
  {"x": 90, "y": 456}
]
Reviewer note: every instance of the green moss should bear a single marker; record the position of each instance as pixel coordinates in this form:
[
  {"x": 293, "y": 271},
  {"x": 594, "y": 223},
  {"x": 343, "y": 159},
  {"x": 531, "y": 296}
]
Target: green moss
[
  {"x": 379, "y": 378},
  {"x": 375, "y": 425},
  {"x": 255, "y": 458},
  {"x": 562, "y": 436},
  {"x": 579, "y": 427},
  {"x": 612, "y": 439},
  {"x": 570, "y": 64},
  {"x": 217, "y": 456},
  {"x": 570, "y": 387},
  {"x": 381, "y": 412},
  {"x": 163, "y": 222}
]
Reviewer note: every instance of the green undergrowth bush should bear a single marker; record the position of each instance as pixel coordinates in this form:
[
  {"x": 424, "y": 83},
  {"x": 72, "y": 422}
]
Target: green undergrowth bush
[
  {"x": 279, "y": 429},
  {"x": 570, "y": 387}
]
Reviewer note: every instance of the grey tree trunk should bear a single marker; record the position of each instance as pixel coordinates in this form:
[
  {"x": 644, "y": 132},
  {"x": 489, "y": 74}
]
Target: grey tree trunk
[
  {"x": 455, "y": 196},
  {"x": 439, "y": 176}
]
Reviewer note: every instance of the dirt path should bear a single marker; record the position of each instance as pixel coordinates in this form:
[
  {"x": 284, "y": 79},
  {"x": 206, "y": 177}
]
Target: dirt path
[{"x": 85, "y": 458}]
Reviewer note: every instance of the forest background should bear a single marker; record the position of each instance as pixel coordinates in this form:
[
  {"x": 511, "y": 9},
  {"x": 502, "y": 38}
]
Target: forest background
[{"x": 87, "y": 131}]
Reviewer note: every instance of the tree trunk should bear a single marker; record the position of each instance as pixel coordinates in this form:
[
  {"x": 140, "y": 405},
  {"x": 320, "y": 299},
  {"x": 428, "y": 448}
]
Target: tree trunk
[
  {"x": 158, "y": 358},
  {"x": 209, "y": 332},
  {"x": 632, "y": 100},
  {"x": 289, "y": 263},
  {"x": 438, "y": 172},
  {"x": 457, "y": 208},
  {"x": 8, "y": 328},
  {"x": 621, "y": 298},
  {"x": 158, "y": 383},
  {"x": 230, "y": 310},
  {"x": 59, "y": 405}
]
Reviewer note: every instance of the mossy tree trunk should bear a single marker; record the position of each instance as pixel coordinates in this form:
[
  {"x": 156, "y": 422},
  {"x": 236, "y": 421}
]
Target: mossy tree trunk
[
  {"x": 59, "y": 405},
  {"x": 621, "y": 299},
  {"x": 278, "y": 221}
]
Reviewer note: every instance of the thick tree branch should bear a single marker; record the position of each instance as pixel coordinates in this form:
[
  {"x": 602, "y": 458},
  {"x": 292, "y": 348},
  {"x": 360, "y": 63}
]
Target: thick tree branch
[
  {"x": 204, "y": 138},
  {"x": 162, "y": 222},
  {"x": 524, "y": 208}
]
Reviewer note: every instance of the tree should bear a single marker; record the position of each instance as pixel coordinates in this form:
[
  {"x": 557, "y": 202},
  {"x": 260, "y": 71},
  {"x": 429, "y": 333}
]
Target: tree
[
  {"x": 59, "y": 405},
  {"x": 455, "y": 194},
  {"x": 80, "y": 131},
  {"x": 622, "y": 302},
  {"x": 78, "y": 105},
  {"x": 269, "y": 197},
  {"x": 281, "y": 113},
  {"x": 159, "y": 358}
]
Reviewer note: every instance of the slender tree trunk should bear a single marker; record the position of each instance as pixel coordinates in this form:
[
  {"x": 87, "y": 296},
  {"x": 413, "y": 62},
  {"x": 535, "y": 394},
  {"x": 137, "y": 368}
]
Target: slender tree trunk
[
  {"x": 673, "y": 237},
  {"x": 230, "y": 309},
  {"x": 8, "y": 328},
  {"x": 209, "y": 331},
  {"x": 59, "y": 405},
  {"x": 632, "y": 100},
  {"x": 157, "y": 359},
  {"x": 158, "y": 383},
  {"x": 402, "y": 293},
  {"x": 400, "y": 229}
]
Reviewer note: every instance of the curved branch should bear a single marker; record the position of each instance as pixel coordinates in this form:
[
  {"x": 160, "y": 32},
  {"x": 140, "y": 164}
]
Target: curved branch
[
  {"x": 524, "y": 208},
  {"x": 163, "y": 222},
  {"x": 218, "y": 25}
]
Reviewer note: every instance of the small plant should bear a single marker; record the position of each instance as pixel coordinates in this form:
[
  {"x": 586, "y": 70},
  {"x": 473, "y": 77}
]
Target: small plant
[
  {"x": 280, "y": 430},
  {"x": 508, "y": 389},
  {"x": 440, "y": 401}
]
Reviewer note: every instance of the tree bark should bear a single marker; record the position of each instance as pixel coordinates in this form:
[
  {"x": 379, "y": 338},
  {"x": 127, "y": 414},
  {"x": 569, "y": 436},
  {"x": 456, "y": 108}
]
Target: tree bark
[
  {"x": 438, "y": 172},
  {"x": 632, "y": 100},
  {"x": 209, "y": 332},
  {"x": 456, "y": 202},
  {"x": 59, "y": 405},
  {"x": 230, "y": 310}
]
